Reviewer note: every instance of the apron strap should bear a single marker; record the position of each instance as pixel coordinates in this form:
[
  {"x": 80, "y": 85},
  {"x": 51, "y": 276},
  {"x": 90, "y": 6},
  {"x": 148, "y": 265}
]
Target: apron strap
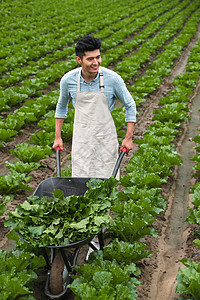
[
  {"x": 78, "y": 82},
  {"x": 101, "y": 86},
  {"x": 101, "y": 82}
]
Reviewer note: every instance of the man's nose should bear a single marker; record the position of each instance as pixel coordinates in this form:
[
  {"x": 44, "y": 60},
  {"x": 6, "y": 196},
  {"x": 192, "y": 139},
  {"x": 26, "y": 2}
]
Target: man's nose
[{"x": 95, "y": 61}]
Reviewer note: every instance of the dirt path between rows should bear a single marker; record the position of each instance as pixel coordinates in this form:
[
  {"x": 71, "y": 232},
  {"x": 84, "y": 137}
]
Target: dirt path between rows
[{"x": 172, "y": 244}]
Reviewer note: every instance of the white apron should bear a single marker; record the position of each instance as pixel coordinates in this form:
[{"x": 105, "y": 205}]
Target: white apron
[{"x": 94, "y": 142}]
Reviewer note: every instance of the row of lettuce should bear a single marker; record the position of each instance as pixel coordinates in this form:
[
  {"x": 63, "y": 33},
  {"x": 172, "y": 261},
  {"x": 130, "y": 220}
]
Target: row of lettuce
[{"x": 113, "y": 273}]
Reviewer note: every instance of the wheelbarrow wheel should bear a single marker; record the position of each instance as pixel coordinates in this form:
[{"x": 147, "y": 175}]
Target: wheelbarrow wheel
[{"x": 59, "y": 275}]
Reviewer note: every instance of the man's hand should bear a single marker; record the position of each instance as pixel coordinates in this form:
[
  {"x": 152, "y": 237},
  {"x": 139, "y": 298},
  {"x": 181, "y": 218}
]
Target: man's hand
[
  {"x": 58, "y": 143},
  {"x": 128, "y": 143}
]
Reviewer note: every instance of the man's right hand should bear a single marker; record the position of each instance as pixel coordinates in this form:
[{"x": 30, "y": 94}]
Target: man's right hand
[{"x": 58, "y": 143}]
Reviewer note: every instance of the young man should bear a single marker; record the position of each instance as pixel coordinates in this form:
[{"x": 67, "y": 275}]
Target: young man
[{"x": 93, "y": 90}]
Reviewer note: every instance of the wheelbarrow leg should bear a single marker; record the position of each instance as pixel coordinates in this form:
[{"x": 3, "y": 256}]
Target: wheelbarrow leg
[
  {"x": 46, "y": 257},
  {"x": 66, "y": 261},
  {"x": 101, "y": 242}
]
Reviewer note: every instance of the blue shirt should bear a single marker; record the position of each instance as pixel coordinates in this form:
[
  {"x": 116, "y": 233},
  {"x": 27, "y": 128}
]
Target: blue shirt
[{"x": 114, "y": 88}]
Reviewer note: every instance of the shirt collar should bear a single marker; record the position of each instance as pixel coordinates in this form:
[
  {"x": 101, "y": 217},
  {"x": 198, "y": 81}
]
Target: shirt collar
[{"x": 94, "y": 80}]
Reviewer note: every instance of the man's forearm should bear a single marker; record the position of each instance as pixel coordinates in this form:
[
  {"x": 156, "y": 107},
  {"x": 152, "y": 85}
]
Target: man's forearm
[
  {"x": 58, "y": 128},
  {"x": 127, "y": 142},
  {"x": 129, "y": 130},
  {"x": 58, "y": 140}
]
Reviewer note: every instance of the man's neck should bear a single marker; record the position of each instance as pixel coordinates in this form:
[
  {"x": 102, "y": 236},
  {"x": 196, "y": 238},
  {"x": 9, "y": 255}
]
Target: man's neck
[{"x": 88, "y": 77}]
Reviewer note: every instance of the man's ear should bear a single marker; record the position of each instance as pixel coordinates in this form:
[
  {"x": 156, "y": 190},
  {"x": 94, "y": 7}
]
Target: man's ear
[{"x": 78, "y": 59}]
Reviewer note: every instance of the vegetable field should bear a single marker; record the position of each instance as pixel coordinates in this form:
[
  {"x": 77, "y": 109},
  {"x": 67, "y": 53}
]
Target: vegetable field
[{"x": 152, "y": 239}]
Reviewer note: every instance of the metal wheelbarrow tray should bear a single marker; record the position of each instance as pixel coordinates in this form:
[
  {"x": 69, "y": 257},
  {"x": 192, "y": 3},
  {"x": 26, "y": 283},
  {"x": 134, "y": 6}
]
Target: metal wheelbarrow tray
[{"x": 70, "y": 186}]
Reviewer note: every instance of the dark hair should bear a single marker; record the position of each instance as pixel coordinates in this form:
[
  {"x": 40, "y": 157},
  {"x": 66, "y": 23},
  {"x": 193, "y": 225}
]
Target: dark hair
[{"x": 87, "y": 43}]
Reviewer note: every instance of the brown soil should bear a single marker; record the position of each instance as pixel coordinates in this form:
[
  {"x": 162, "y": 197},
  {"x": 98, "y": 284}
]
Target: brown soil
[{"x": 175, "y": 239}]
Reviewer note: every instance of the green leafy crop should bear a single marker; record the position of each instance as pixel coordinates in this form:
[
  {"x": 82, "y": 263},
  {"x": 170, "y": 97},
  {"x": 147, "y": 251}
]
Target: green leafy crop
[
  {"x": 46, "y": 221},
  {"x": 6, "y": 136},
  {"x": 28, "y": 153},
  {"x": 23, "y": 168},
  {"x": 17, "y": 270},
  {"x": 189, "y": 279},
  {"x": 104, "y": 279},
  {"x": 13, "y": 182}
]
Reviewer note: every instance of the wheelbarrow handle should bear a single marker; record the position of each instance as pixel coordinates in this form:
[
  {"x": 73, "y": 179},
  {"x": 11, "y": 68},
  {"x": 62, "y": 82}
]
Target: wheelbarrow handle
[
  {"x": 118, "y": 162},
  {"x": 58, "y": 149}
]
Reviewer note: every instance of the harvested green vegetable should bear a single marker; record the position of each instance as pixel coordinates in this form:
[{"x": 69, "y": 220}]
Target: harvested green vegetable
[{"x": 46, "y": 221}]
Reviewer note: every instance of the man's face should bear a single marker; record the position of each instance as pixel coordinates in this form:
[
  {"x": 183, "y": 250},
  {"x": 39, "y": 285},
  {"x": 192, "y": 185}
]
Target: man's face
[{"x": 90, "y": 62}]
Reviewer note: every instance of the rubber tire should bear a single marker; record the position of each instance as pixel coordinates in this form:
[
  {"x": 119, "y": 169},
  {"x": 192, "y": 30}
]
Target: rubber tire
[{"x": 56, "y": 276}]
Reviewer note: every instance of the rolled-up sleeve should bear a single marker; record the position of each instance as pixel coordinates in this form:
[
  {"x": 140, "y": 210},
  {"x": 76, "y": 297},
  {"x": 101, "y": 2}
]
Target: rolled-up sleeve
[
  {"x": 122, "y": 93},
  {"x": 62, "y": 105}
]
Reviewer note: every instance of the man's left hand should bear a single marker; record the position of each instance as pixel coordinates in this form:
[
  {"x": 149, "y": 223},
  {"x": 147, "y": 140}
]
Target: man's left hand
[{"x": 128, "y": 143}]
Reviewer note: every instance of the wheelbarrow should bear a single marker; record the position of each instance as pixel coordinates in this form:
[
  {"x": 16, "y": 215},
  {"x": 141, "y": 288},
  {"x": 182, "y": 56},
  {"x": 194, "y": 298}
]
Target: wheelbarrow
[{"x": 59, "y": 263}]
